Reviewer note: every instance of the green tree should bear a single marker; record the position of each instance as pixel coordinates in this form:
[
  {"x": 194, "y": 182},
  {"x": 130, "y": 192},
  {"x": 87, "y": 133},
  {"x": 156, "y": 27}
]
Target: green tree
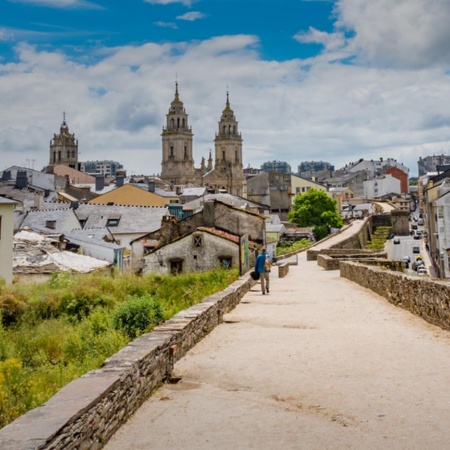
[{"x": 315, "y": 209}]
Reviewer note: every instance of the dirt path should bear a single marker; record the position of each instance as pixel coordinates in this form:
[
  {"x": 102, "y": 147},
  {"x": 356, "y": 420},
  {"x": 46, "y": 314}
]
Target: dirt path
[{"x": 320, "y": 363}]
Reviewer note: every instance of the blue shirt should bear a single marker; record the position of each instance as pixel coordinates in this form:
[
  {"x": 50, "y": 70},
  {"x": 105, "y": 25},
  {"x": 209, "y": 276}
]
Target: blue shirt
[{"x": 259, "y": 263}]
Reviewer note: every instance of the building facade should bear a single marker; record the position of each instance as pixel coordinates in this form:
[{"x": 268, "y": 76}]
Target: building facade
[
  {"x": 279, "y": 166},
  {"x": 64, "y": 147},
  {"x": 224, "y": 173},
  {"x": 431, "y": 163},
  {"x": 107, "y": 167}
]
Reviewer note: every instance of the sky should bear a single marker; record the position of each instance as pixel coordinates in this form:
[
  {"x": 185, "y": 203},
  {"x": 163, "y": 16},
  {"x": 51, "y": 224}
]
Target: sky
[{"x": 308, "y": 80}]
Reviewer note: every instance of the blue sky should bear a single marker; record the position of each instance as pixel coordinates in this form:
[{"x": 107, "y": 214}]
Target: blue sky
[{"x": 308, "y": 80}]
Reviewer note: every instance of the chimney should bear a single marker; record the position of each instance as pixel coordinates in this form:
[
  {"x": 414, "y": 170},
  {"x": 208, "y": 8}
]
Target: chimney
[
  {"x": 21, "y": 179},
  {"x": 151, "y": 186},
  {"x": 99, "y": 182},
  {"x": 38, "y": 200},
  {"x": 208, "y": 213},
  {"x": 6, "y": 175},
  {"x": 178, "y": 190},
  {"x": 119, "y": 180},
  {"x": 168, "y": 231}
]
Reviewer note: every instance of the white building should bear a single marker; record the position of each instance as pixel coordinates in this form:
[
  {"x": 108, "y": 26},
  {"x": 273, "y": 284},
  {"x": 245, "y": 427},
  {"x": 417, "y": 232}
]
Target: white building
[
  {"x": 380, "y": 186},
  {"x": 376, "y": 167},
  {"x": 6, "y": 238}
]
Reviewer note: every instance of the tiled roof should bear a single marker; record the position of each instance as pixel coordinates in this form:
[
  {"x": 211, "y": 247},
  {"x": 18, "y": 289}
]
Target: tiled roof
[
  {"x": 38, "y": 220},
  {"x": 133, "y": 219}
]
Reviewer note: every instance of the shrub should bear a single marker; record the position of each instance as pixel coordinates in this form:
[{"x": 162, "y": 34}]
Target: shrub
[
  {"x": 12, "y": 306},
  {"x": 137, "y": 315}
]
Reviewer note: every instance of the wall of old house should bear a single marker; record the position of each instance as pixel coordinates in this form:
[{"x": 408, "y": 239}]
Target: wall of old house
[
  {"x": 239, "y": 222},
  {"x": 194, "y": 259}
]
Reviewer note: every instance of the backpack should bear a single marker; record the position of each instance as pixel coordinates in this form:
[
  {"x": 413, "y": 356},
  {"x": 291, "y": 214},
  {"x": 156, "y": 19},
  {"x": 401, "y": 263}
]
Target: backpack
[{"x": 267, "y": 264}]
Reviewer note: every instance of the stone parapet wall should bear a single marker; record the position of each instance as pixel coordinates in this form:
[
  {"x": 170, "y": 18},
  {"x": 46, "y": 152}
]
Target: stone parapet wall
[
  {"x": 312, "y": 253},
  {"x": 358, "y": 240},
  {"x": 86, "y": 413},
  {"x": 283, "y": 269},
  {"x": 424, "y": 297},
  {"x": 333, "y": 262}
]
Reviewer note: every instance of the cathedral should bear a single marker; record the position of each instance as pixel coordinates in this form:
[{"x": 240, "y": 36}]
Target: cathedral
[
  {"x": 64, "y": 147},
  {"x": 224, "y": 174}
]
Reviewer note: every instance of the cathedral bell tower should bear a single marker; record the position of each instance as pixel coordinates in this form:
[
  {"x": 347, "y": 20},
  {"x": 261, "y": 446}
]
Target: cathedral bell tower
[
  {"x": 177, "y": 159},
  {"x": 228, "y": 148},
  {"x": 64, "y": 147}
]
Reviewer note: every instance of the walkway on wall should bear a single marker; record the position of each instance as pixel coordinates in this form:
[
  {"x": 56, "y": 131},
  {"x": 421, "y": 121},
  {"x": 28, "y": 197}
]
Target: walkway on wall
[{"x": 319, "y": 363}]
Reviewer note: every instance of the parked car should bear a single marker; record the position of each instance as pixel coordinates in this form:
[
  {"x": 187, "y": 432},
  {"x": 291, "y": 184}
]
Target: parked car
[
  {"x": 422, "y": 271},
  {"x": 414, "y": 226},
  {"x": 406, "y": 261},
  {"x": 397, "y": 240},
  {"x": 417, "y": 236}
]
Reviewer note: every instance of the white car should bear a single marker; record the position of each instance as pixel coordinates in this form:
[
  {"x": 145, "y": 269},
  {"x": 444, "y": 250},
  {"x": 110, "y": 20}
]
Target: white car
[{"x": 421, "y": 271}]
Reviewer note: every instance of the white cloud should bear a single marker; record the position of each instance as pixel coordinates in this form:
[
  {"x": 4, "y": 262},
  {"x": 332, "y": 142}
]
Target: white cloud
[
  {"x": 407, "y": 34},
  {"x": 166, "y": 24},
  {"x": 294, "y": 110},
  {"x": 63, "y": 4},
  {"x": 330, "y": 41},
  {"x": 167, "y": 2},
  {"x": 192, "y": 16}
]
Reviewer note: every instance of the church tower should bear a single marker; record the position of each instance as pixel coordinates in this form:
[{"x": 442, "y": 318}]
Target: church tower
[
  {"x": 177, "y": 158},
  {"x": 228, "y": 148},
  {"x": 64, "y": 147}
]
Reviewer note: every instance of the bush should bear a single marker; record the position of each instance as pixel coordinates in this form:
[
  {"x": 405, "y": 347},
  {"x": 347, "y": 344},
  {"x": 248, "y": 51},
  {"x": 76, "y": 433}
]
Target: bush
[
  {"x": 137, "y": 315},
  {"x": 12, "y": 306}
]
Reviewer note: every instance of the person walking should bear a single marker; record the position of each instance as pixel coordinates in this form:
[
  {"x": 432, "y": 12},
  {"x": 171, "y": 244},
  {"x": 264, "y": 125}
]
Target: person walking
[{"x": 263, "y": 265}]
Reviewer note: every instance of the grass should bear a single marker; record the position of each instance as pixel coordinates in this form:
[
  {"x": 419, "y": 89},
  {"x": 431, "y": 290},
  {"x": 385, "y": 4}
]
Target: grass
[
  {"x": 379, "y": 238},
  {"x": 284, "y": 248},
  {"x": 52, "y": 333}
]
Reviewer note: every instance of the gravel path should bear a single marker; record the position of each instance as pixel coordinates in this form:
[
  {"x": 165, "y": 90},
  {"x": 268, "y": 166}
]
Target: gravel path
[{"x": 320, "y": 363}]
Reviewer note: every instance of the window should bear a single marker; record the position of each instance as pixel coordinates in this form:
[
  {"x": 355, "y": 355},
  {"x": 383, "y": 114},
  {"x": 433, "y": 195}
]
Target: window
[
  {"x": 113, "y": 220},
  {"x": 0, "y": 227},
  {"x": 226, "y": 262},
  {"x": 176, "y": 266},
  {"x": 50, "y": 224},
  {"x": 198, "y": 241}
]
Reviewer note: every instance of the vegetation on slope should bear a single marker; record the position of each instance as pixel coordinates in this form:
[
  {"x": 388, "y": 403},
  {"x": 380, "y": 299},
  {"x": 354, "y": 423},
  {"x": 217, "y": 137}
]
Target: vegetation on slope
[
  {"x": 55, "y": 332},
  {"x": 379, "y": 238}
]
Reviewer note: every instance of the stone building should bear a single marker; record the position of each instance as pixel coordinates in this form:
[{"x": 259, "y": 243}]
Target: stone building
[
  {"x": 64, "y": 147},
  {"x": 223, "y": 174}
]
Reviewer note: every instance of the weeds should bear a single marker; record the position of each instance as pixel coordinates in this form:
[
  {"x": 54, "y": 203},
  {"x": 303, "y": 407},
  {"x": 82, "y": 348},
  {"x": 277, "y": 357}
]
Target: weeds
[{"x": 54, "y": 332}]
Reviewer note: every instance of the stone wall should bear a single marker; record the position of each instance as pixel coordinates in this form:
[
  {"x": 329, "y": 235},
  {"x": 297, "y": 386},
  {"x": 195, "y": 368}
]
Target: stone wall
[
  {"x": 283, "y": 269},
  {"x": 400, "y": 222},
  {"x": 359, "y": 240},
  {"x": 333, "y": 262},
  {"x": 86, "y": 413},
  {"x": 312, "y": 254},
  {"x": 424, "y": 297}
]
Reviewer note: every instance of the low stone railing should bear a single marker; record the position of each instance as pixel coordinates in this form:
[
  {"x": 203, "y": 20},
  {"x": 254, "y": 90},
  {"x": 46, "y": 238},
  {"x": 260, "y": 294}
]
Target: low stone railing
[
  {"x": 283, "y": 269},
  {"x": 86, "y": 413},
  {"x": 332, "y": 262},
  {"x": 311, "y": 254},
  {"x": 425, "y": 297}
]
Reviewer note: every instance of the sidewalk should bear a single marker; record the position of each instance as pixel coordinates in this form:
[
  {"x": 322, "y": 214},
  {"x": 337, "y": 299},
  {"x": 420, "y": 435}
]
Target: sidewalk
[{"x": 320, "y": 363}]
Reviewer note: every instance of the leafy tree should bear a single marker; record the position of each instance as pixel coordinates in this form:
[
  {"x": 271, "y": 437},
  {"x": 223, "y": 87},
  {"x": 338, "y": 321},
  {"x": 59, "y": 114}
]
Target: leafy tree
[{"x": 315, "y": 209}]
